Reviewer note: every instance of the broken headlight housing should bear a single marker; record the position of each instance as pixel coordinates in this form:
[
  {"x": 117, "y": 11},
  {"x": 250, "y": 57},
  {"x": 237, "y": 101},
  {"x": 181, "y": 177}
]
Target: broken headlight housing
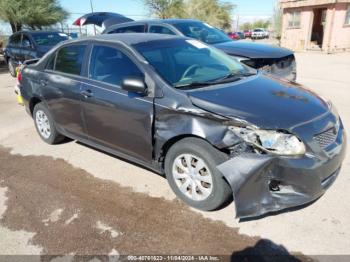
[{"x": 271, "y": 141}]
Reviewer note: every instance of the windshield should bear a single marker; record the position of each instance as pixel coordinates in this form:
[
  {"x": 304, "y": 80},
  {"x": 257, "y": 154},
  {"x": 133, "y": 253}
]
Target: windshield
[
  {"x": 203, "y": 32},
  {"x": 182, "y": 62},
  {"x": 49, "y": 39}
]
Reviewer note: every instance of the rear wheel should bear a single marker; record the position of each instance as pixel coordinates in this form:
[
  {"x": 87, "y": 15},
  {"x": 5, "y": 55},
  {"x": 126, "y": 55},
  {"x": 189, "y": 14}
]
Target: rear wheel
[
  {"x": 45, "y": 125},
  {"x": 11, "y": 67},
  {"x": 190, "y": 168}
]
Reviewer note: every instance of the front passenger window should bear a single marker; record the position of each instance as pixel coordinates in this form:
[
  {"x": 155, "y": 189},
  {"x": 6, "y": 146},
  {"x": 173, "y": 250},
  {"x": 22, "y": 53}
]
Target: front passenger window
[
  {"x": 111, "y": 66},
  {"x": 26, "y": 42}
]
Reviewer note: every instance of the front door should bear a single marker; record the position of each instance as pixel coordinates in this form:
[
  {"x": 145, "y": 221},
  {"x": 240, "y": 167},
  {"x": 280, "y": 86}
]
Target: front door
[{"x": 115, "y": 118}]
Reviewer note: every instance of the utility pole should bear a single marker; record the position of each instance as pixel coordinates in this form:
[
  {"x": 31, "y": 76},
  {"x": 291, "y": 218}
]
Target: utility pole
[
  {"x": 92, "y": 10},
  {"x": 237, "y": 26}
]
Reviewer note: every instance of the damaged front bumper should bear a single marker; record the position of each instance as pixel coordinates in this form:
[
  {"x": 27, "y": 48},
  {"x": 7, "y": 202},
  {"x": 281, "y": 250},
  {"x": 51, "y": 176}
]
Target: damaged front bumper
[{"x": 263, "y": 183}]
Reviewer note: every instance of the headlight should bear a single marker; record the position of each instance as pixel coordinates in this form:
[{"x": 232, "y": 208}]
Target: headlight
[{"x": 272, "y": 141}]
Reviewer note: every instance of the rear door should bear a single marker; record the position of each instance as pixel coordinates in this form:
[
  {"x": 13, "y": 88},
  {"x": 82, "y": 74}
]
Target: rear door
[
  {"x": 115, "y": 118},
  {"x": 27, "y": 51},
  {"x": 14, "y": 48},
  {"x": 61, "y": 87}
]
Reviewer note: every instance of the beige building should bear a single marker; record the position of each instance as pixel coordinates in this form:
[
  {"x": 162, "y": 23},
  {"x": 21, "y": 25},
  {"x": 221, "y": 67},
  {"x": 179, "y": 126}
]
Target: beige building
[{"x": 316, "y": 25}]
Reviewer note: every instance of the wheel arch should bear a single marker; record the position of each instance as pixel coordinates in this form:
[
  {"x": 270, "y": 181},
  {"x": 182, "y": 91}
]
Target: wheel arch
[
  {"x": 172, "y": 141},
  {"x": 33, "y": 102}
]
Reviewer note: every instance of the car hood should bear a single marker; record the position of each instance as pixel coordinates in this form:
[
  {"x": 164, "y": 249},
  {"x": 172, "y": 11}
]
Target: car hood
[
  {"x": 262, "y": 101},
  {"x": 252, "y": 50}
]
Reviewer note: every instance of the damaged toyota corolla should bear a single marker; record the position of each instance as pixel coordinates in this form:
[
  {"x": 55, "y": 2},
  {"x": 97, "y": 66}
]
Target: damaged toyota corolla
[{"x": 216, "y": 128}]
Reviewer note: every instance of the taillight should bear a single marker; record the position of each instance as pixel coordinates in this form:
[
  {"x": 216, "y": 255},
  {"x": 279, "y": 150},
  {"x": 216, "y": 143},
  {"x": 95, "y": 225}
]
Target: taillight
[{"x": 19, "y": 76}]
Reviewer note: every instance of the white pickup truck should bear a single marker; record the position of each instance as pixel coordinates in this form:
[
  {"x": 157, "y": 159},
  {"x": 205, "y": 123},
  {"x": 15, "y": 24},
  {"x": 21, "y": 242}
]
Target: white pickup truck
[{"x": 260, "y": 33}]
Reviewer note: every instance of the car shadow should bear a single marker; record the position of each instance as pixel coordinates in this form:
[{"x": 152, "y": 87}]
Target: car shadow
[
  {"x": 117, "y": 157},
  {"x": 267, "y": 251},
  {"x": 227, "y": 203},
  {"x": 275, "y": 213}
]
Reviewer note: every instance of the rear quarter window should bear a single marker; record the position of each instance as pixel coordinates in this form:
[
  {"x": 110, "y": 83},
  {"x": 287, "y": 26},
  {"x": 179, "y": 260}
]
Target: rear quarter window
[
  {"x": 70, "y": 59},
  {"x": 129, "y": 29}
]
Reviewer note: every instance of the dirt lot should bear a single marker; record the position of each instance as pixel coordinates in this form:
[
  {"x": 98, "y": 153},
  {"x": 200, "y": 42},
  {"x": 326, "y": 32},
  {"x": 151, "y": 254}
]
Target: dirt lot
[{"x": 71, "y": 199}]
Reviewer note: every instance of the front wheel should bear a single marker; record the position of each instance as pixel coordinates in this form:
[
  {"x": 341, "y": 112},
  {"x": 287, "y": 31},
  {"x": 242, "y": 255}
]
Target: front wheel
[{"x": 190, "y": 167}]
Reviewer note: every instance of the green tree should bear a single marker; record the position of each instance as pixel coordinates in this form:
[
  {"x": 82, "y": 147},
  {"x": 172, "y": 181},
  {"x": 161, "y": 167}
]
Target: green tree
[
  {"x": 261, "y": 23},
  {"x": 246, "y": 26},
  {"x": 33, "y": 13},
  {"x": 277, "y": 21},
  {"x": 166, "y": 8},
  {"x": 11, "y": 11},
  {"x": 214, "y": 12}
]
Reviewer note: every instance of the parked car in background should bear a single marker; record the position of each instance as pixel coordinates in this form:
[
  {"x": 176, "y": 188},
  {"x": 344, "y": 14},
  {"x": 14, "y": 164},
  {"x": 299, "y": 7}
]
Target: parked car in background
[
  {"x": 267, "y": 33},
  {"x": 247, "y": 33},
  {"x": 260, "y": 33},
  {"x": 235, "y": 35},
  {"x": 272, "y": 59},
  {"x": 241, "y": 35},
  {"x": 1, "y": 47},
  {"x": 26, "y": 45},
  {"x": 216, "y": 128}
]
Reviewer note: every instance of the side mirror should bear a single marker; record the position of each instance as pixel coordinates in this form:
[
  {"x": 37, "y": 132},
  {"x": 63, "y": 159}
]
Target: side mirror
[{"x": 135, "y": 85}]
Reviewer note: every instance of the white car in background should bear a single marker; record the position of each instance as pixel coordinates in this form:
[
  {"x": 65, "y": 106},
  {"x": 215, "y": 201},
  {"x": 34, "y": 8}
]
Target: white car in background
[{"x": 260, "y": 33}]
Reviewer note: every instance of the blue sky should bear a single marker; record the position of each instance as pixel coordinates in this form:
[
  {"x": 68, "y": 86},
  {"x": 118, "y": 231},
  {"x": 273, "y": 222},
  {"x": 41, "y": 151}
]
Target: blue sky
[
  {"x": 248, "y": 10},
  {"x": 136, "y": 10}
]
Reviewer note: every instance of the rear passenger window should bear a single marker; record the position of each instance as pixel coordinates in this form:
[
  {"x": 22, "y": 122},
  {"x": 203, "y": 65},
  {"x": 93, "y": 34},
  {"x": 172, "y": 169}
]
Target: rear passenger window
[
  {"x": 15, "y": 40},
  {"x": 70, "y": 59},
  {"x": 158, "y": 29},
  {"x": 129, "y": 29},
  {"x": 111, "y": 66}
]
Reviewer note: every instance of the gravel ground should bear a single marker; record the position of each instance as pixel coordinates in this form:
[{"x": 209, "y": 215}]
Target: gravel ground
[{"x": 44, "y": 187}]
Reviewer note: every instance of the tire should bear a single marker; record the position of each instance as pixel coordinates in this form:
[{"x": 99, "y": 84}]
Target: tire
[
  {"x": 47, "y": 130},
  {"x": 12, "y": 67},
  {"x": 217, "y": 193}
]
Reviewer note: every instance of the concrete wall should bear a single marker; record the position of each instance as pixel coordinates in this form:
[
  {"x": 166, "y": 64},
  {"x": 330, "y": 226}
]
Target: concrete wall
[
  {"x": 339, "y": 38},
  {"x": 336, "y": 33}
]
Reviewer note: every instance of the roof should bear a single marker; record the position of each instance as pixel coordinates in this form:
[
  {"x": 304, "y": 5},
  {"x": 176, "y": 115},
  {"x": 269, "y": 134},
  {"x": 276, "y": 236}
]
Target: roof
[
  {"x": 160, "y": 21},
  {"x": 38, "y": 31},
  {"x": 128, "y": 38}
]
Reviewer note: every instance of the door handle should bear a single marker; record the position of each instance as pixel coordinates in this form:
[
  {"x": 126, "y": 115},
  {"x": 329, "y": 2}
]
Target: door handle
[{"x": 87, "y": 93}]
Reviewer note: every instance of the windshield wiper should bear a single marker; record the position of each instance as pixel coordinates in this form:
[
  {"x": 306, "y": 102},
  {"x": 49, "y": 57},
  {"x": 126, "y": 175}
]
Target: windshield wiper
[
  {"x": 227, "y": 78},
  {"x": 235, "y": 75},
  {"x": 193, "y": 85}
]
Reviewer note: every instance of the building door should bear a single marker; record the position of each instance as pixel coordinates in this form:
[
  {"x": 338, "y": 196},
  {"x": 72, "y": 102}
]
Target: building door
[{"x": 319, "y": 24}]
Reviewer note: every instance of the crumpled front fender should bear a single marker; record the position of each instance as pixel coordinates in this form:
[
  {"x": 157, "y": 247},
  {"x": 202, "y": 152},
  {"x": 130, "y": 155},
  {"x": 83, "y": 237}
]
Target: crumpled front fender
[{"x": 297, "y": 181}]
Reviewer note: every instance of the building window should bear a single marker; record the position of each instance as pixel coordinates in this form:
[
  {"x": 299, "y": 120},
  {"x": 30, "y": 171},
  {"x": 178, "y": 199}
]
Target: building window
[
  {"x": 294, "y": 19},
  {"x": 347, "y": 18}
]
